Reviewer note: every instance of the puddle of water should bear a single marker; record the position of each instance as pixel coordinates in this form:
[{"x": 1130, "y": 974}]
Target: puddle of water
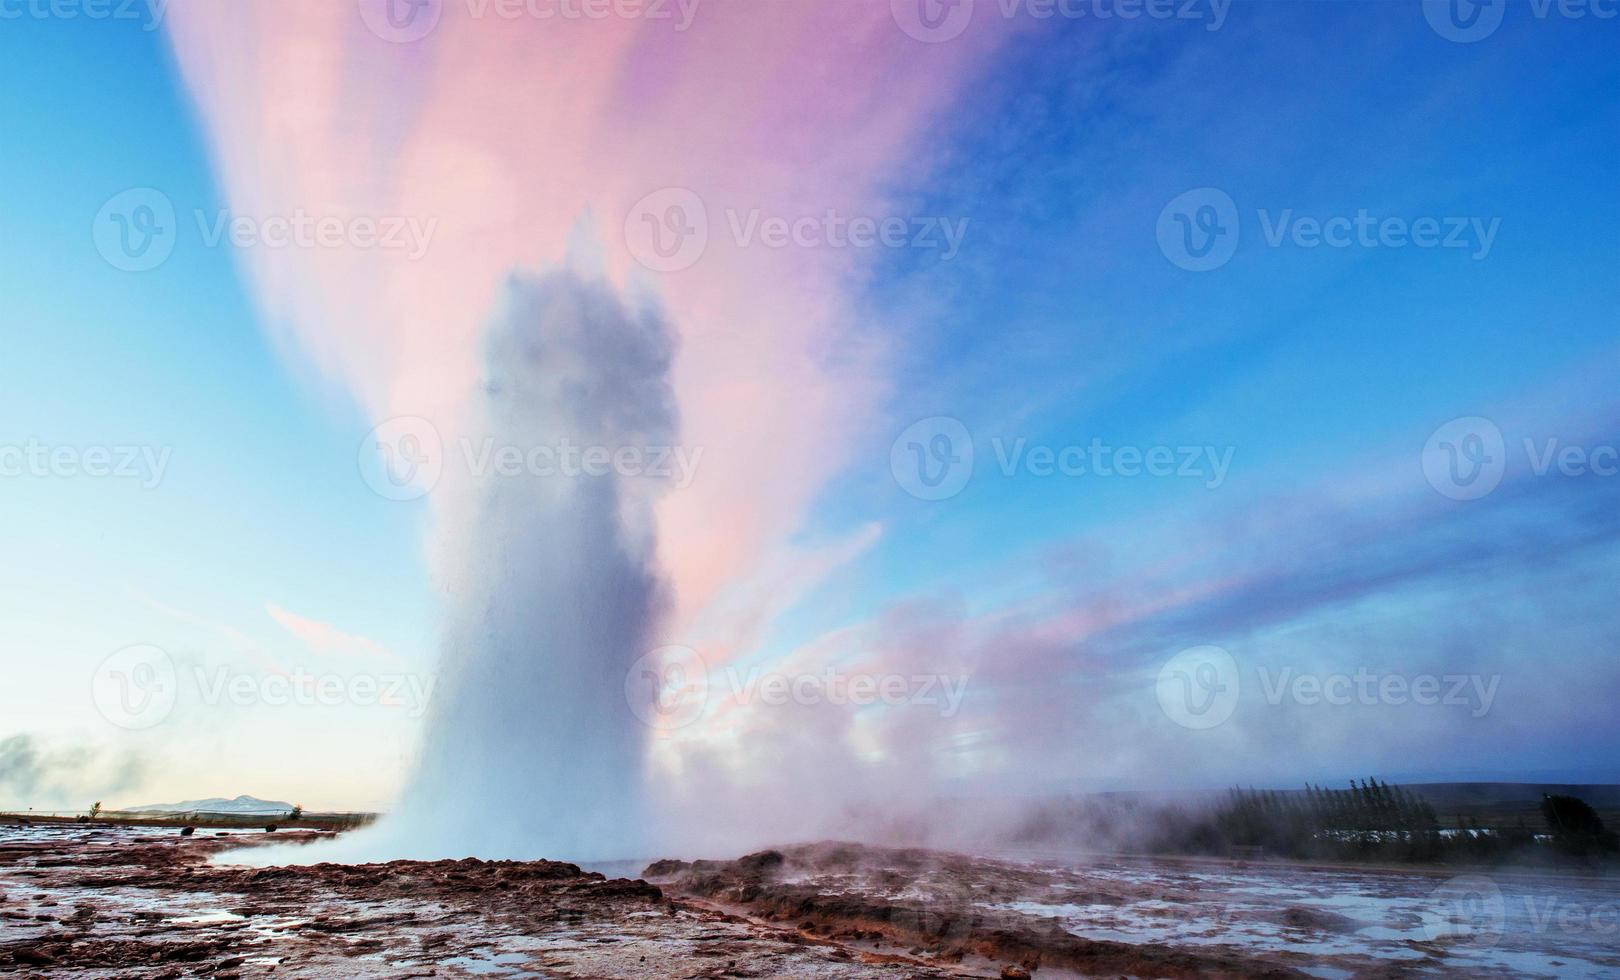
[
  {"x": 616, "y": 869},
  {"x": 215, "y": 917},
  {"x": 1386, "y": 913},
  {"x": 500, "y": 964}
]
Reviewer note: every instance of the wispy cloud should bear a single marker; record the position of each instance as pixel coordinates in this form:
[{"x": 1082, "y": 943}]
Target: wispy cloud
[{"x": 326, "y": 639}]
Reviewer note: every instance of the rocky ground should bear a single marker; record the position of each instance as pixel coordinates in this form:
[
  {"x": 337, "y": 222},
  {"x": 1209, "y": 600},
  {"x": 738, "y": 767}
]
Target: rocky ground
[
  {"x": 1111, "y": 917},
  {"x": 939, "y": 909},
  {"x": 145, "y": 903},
  {"x": 118, "y": 902}
]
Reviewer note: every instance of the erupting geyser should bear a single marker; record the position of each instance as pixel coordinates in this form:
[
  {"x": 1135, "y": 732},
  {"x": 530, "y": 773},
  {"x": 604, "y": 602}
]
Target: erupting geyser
[
  {"x": 531, "y": 749},
  {"x": 514, "y": 139}
]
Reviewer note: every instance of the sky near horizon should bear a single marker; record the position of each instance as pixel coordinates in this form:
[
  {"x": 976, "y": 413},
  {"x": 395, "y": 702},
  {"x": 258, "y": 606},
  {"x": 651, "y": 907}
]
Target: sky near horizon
[{"x": 1142, "y": 401}]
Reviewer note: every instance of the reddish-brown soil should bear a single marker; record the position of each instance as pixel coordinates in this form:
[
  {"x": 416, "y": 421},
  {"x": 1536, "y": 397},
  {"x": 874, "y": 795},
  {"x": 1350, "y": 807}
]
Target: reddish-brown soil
[
  {"x": 148, "y": 903},
  {"x": 122, "y": 903},
  {"x": 936, "y": 907}
]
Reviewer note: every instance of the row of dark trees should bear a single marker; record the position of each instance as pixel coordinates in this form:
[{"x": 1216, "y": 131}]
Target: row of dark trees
[
  {"x": 1365, "y": 820},
  {"x": 1372, "y": 820},
  {"x": 1371, "y": 809}
]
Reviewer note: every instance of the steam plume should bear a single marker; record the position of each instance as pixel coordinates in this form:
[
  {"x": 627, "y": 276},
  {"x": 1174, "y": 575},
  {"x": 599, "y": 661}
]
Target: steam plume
[{"x": 554, "y": 594}]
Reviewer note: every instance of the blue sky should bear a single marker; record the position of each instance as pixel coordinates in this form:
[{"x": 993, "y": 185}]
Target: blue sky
[
  {"x": 1069, "y": 323},
  {"x": 1322, "y": 370},
  {"x": 260, "y": 502}
]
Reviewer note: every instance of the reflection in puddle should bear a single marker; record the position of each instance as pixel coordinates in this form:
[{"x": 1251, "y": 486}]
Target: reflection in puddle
[
  {"x": 206, "y": 918},
  {"x": 506, "y": 964}
]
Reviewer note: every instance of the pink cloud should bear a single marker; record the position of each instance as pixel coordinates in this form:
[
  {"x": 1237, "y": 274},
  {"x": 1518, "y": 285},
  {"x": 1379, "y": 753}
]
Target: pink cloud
[
  {"x": 324, "y": 638},
  {"x": 520, "y": 137}
]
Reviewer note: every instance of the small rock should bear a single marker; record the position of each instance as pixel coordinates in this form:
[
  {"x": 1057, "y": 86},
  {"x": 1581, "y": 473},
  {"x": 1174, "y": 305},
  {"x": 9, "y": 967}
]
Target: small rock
[{"x": 33, "y": 957}]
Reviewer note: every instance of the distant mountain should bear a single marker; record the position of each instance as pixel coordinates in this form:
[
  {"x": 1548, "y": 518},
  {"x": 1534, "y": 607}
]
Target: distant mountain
[{"x": 217, "y": 804}]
